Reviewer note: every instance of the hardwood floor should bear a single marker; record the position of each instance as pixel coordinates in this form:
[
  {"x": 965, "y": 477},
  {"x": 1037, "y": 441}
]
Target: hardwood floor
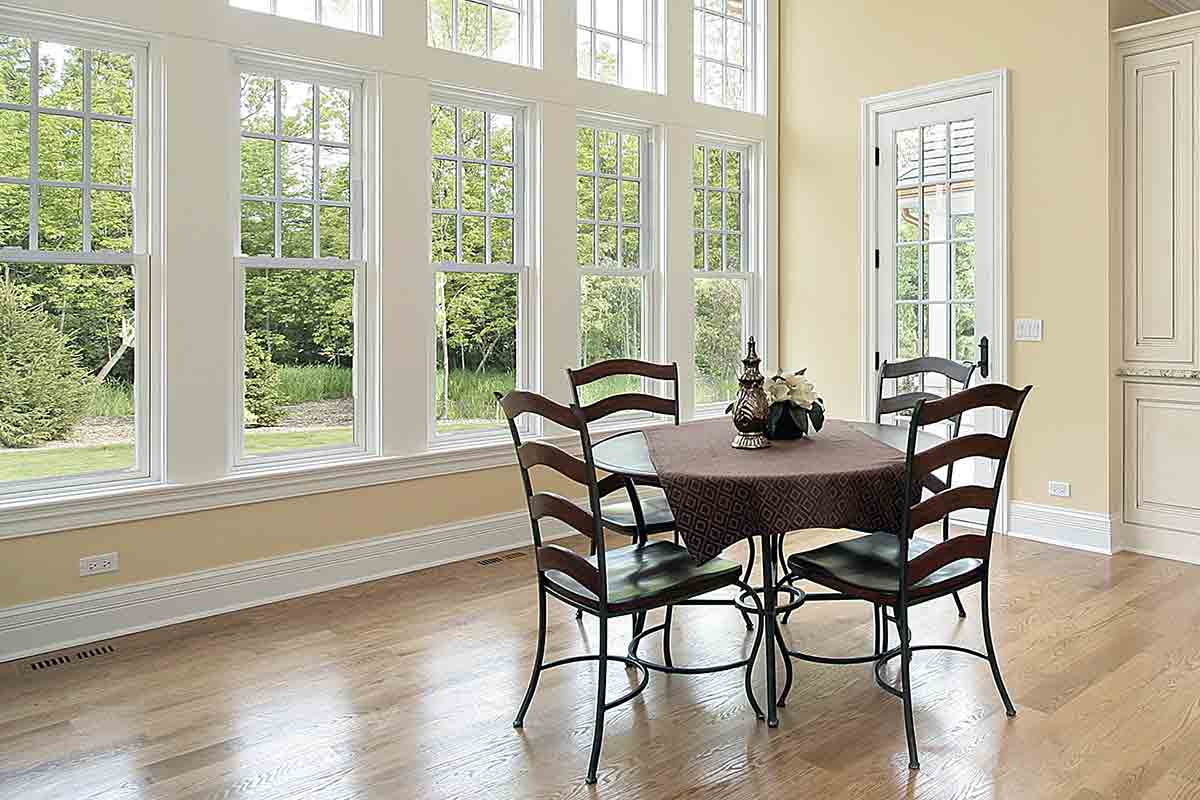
[{"x": 406, "y": 687}]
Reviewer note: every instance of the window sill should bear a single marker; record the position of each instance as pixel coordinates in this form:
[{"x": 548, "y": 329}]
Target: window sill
[{"x": 84, "y": 508}]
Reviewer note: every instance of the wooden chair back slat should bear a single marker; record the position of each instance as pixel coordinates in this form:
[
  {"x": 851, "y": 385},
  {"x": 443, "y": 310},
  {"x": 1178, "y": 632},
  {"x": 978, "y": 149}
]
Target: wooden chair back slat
[
  {"x": 982, "y": 445},
  {"x": 949, "y": 501},
  {"x": 971, "y": 545},
  {"x": 516, "y": 403},
  {"x": 629, "y": 402},
  {"x": 547, "y": 504},
  {"x": 903, "y": 402},
  {"x": 540, "y": 454},
  {"x": 552, "y": 556},
  {"x": 622, "y": 366},
  {"x": 955, "y": 371},
  {"x": 989, "y": 395}
]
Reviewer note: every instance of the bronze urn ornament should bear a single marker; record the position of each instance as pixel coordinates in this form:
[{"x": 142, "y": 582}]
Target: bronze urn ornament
[{"x": 751, "y": 407}]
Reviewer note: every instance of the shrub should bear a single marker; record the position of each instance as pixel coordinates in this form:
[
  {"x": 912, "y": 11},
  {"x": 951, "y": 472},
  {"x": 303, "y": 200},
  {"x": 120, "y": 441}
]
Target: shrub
[
  {"x": 43, "y": 388},
  {"x": 264, "y": 388}
]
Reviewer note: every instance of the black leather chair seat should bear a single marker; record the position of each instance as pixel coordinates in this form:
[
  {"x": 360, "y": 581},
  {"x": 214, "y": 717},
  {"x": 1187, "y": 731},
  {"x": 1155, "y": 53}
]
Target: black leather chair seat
[
  {"x": 649, "y": 577},
  {"x": 871, "y": 565},
  {"x": 655, "y": 511}
]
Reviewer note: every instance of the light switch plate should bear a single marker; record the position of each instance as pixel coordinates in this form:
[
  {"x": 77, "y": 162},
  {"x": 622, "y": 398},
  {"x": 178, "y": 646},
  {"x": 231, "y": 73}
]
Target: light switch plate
[{"x": 1027, "y": 330}]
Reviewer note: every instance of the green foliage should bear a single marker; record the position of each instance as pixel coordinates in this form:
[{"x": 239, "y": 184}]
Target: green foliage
[
  {"x": 471, "y": 394},
  {"x": 110, "y": 399},
  {"x": 302, "y": 316},
  {"x": 43, "y": 389},
  {"x": 264, "y": 390},
  {"x": 718, "y": 338},
  {"x": 316, "y": 382}
]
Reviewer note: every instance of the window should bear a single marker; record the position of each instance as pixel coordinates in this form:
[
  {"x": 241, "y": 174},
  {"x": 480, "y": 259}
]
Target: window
[
  {"x": 614, "y": 249},
  {"x": 479, "y": 260},
  {"x": 494, "y": 29},
  {"x": 724, "y": 53},
  {"x": 351, "y": 15},
  {"x": 303, "y": 271},
  {"x": 614, "y": 41},
  {"x": 722, "y": 270},
  {"x": 74, "y": 263}
]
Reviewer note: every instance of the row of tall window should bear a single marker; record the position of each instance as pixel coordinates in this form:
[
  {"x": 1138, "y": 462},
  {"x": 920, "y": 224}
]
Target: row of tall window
[
  {"x": 77, "y": 386},
  {"x": 617, "y": 41}
]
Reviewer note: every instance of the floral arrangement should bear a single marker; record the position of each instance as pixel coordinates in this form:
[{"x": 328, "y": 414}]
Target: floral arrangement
[{"x": 794, "y": 406}]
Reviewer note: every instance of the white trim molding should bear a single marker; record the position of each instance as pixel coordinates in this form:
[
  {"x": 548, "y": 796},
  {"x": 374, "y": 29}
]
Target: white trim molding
[
  {"x": 1175, "y": 6},
  {"x": 1079, "y": 530},
  {"x": 40, "y": 627}
]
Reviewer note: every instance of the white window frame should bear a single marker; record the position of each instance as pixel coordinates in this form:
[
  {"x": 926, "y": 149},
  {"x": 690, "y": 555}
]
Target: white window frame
[
  {"x": 368, "y": 15},
  {"x": 362, "y": 261},
  {"x": 649, "y": 269},
  {"x": 754, "y": 49},
  {"x": 147, "y": 236},
  {"x": 523, "y": 266},
  {"x": 753, "y": 235},
  {"x": 528, "y": 54},
  {"x": 649, "y": 43}
]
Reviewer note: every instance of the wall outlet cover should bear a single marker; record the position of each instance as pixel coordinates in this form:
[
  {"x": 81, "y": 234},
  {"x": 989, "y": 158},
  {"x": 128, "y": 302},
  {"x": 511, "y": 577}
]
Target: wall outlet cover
[
  {"x": 98, "y": 565},
  {"x": 1060, "y": 489}
]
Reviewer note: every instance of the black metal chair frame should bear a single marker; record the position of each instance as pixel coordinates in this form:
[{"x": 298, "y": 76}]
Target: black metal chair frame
[
  {"x": 917, "y": 513},
  {"x": 594, "y": 577},
  {"x": 669, "y": 407}
]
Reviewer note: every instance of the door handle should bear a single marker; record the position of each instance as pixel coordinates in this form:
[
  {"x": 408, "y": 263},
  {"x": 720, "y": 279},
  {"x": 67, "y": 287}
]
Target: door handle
[{"x": 983, "y": 357}]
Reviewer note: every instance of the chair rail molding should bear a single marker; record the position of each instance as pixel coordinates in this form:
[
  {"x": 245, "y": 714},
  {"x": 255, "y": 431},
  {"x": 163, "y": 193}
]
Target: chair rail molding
[{"x": 40, "y": 627}]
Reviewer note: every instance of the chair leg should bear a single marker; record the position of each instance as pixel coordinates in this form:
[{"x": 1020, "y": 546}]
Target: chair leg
[
  {"x": 537, "y": 660},
  {"x": 591, "y": 552},
  {"x": 991, "y": 650},
  {"x": 602, "y": 680},
  {"x": 962, "y": 612},
  {"x": 666, "y": 637},
  {"x": 906, "y": 684}
]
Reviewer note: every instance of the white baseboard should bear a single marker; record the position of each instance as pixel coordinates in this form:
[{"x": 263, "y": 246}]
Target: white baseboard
[
  {"x": 1080, "y": 530},
  {"x": 40, "y": 627},
  {"x": 1161, "y": 543}
]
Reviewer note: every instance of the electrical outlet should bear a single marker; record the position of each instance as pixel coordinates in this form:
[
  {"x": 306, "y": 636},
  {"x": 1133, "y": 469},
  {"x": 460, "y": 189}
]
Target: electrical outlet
[
  {"x": 1060, "y": 489},
  {"x": 96, "y": 565}
]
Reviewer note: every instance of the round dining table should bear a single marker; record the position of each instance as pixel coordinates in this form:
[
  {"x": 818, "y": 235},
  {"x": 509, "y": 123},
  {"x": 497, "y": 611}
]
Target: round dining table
[{"x": 850, "y": 475}]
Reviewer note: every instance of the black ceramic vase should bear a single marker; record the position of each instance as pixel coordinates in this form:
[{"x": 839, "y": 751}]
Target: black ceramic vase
[{"x": 785, "y": 421}]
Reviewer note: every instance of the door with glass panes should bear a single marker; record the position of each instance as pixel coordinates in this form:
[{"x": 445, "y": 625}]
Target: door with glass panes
[{"x": 935, "y": 240}]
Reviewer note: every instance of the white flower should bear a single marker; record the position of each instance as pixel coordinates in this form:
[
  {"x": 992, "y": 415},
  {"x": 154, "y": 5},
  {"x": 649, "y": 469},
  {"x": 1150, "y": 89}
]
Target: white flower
[
  {"x": 778, "y": 391},
  {"x": 801, "y": 391}
]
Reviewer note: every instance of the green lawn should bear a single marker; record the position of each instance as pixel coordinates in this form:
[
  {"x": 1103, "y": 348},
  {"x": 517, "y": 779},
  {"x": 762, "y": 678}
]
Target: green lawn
[{"x": 16, "y": 465}]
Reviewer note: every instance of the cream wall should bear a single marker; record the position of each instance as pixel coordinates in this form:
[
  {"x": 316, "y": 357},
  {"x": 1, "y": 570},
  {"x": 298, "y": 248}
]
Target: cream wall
[
  {"x": 834, "y": 54},
  {"x": 196, "y": 40}
]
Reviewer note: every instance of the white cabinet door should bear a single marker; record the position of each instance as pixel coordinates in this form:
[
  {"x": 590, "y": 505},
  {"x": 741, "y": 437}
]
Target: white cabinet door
[
  {"x": 1157, "y": 195},
  {"x": 1162, "y": 456}
]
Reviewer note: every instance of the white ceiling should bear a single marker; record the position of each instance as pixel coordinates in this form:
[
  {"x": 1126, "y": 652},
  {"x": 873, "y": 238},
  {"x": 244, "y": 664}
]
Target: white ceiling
[{"x": 1177, "y": 6}]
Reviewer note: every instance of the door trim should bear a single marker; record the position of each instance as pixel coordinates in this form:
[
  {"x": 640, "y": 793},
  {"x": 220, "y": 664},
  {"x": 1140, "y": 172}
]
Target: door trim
[{"x": 995, "y": 84}]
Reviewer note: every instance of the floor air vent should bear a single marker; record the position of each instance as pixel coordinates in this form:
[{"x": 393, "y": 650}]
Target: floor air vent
[
  {"x": 50, "y": 662},
  {"x": 488, "y": 562}
]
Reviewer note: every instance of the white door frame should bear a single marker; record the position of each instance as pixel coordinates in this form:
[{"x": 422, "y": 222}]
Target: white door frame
[{"x": 995, "y": 84}]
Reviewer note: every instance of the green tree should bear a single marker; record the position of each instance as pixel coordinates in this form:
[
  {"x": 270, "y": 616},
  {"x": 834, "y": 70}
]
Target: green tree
[{"x": 263, "y": 385}]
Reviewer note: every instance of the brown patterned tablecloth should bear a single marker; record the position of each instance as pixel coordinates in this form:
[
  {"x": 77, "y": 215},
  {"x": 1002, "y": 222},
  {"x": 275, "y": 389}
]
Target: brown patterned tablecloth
[{"x": 838, "y": 478}]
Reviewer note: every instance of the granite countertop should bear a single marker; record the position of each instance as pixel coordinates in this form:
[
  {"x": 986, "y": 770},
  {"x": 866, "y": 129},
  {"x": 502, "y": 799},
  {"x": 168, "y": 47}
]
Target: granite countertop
[{"x": 1186, "y": 373}]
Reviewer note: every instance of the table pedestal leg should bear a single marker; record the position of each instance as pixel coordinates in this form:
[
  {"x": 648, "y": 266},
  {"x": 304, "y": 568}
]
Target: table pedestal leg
[{"x": 769, "y": 604}]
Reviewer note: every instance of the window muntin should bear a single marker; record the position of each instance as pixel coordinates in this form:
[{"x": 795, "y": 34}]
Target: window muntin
[
  {"x": 613, "y": 251},
  {"x": 478, "y": 254},
  {"x": 74, "y": 264},
  {"x": 351, "y": 15},
  {"x": 724, "y": 53},
  {"x": 723, "y": 271},
  {"x": 614, "y": 42},
  {"x": 303, "y": 272},
  {"x": 495, "y": 29}
]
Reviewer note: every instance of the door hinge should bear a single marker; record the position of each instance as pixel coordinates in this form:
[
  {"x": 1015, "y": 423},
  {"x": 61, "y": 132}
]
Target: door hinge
[
  {"x": 877, "y": 361},
  {"x": 876, "y": 259},
  {"x": 878, "y": 157}
]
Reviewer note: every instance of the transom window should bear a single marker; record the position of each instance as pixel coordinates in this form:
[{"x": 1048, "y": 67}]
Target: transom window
[
  {"x": 614, "y": 251},
  {"x": 74, "y": 265},
  {"x": 478, "y": 254},
  {"x": 615, "y": 41},
  {"x": 722, "y": 271},
  {"x": 724, "y": 53},
  {"x": 494, "y": 29},
  {"x": 351, "y": 15},
  {"x": 303, "y": 270}
]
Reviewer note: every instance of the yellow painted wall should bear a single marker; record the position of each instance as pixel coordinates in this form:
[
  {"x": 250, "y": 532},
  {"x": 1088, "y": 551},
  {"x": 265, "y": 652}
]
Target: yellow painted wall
[{"x": 834, "y": 54}]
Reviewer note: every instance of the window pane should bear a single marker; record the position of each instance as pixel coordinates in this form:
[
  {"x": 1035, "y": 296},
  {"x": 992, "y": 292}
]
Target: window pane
[
  {"x": 474, "y": 187},
  {"x": 335, "y": 232},
  {"x": 112, "y": 221},
  {"x": 734, "y": 47},
  {"x": 735, "y": 87},
  {"x": 297, "y": 170},
  {"x": 303, "y": 10},
  {"x": 340, "y": 14},
  {"x": 500, "y": 138},
  {"x": 60, "y": 76},
  {"x": 608, "y": 200},
  {"x": 258, "y": 104},
  {"x": 631, "y": 207},
  {"x": 631, "y": 155},
  {"x": 14, "y": 216},
  {"x": 583, "y": 12},
  {"x": 472, "y": 28},
  {"x": 714, "y": 36},
  {"x": 606, "y": 15},
  {"x": 297, "y": 227},
  {"x": 964, "y": 270},
  {"x": 631, "y": 248},
  {"x": 476, "y": 353},
  {"x": 444, "y": 247},
  {"x": 506, "y": 35},
  {"x": 698, "y": 208},
  {"x": 112, "y": 152},
  {"x": 60, "y": 218},
  {"x": 15, "y": 56},
  {"x": 733, "y": 170},
  {"x": 335, "y": 174},
  {"x": 112, "y": 83},
  {"x": 719, "y": 339},
  {"x": 610, "y": 326},
  {"x": 472, "y": 134},
  {"x": 68, "y": 407},
  {"x": 907, "y": 270},
  {"x": 500, "y": 188},
  {"x": 733, "y": 211},
  {"x": 445, "y": 134},
  {"x": 633, "y": 65},
  {"x": 296, "y": 101},
  {"x": 474, "y": 240},
  {"x": 585, "y": 245},
  {"x": 445, "y": 184},
  {"x": 607, "y": 237},
  {"x": 698, "y": 251},
  {"x": 585, "y": 147},
  {"x": 441, "y": 24},
  {"x": 299, "y": 360},
  {"x": 606, "y": 58},
  {"x": 585, "y": 197},
  {"x": 634, "y": 19},
  {"x": 733, "y": 252},
  {"x": 14, "y": 133},
  {"x": 608, "y": 151},
  {"x": 583, "y": 53},
  {"x": 258, "y": 228},
  {"x": 60, "y": 148},
  {"x": 502, "y": 242},
  {"x": 335, "y": 115}
]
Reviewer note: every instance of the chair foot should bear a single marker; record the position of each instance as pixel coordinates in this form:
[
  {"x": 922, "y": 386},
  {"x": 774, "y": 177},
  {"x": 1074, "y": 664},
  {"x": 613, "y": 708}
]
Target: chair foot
[
  {"x": 962, "y": 612},
  {"x": 1010, "y": 714},
  {"x": 579, "y": 613},
  {"x": 518, "y": 723},
  {"x": 914, "y": 765}
]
